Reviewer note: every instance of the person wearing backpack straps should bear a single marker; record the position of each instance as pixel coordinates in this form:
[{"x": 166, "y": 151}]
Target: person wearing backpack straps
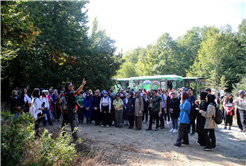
[
  {"x": 69, "y": 115},
  {"x": 210, "y": 124}
]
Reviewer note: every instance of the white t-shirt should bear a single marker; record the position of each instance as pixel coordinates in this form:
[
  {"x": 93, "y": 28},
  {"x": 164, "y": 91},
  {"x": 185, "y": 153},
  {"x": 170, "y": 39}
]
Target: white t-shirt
[
  {"x": 37, "y": 105},
  {"x": 45, "y": 100},
  {"x": 105, "y": 102},
  {"x": 222, "y": 92},
  {"x": 213, "y": 91}
]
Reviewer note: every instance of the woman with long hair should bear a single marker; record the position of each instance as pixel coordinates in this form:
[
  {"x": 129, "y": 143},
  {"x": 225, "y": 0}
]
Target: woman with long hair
[
  {"x": 210, "y": 124},
  {"x": 37, "y": 104},
  {"x": 228, "y": 106},
  {"x": 184, "y": 120}
]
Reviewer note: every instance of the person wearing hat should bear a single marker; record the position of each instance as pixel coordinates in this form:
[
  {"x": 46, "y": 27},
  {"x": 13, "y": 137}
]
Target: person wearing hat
[
  {"x": 118, "y": 106},
  {"x": 45, "y": 104},
  {"x": 80, "y": 105},
  {"x": 69, "y": 115}
]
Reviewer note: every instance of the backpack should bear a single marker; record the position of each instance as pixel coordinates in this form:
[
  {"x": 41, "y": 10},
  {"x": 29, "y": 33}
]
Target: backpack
[
  {"x": 62, "y": 103},
  {"x": 218, "y": 116},
  {"x": 192, "y": 115}
]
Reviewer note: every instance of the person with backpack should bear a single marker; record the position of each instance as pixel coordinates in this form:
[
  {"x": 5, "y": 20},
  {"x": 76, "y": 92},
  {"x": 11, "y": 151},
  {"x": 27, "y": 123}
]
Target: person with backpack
[
  {"x": 105, "y": 109},
  {"x": 210, "y": 123},
  {"x": 192, "y": 98},
  {"x": 69, "y": 115},
  {"x": 185, "y": 108}
]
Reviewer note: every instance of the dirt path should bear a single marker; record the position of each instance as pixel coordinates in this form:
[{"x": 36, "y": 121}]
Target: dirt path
[{"x": 156, "y": 147}]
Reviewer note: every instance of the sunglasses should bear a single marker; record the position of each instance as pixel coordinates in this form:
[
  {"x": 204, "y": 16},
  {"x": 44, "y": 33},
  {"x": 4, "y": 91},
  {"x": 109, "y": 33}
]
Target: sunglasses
[{"x": 70, "y": 85}]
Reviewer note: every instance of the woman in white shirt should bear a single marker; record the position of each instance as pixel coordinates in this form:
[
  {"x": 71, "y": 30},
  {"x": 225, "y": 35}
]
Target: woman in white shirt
[
  {"x": 105, "y": 108},
  {"x": 45, "y": 104},
  {"x": 37, "y": 104}
]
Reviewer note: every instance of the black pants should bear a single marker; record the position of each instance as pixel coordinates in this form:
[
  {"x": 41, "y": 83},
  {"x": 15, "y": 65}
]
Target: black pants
[
  {"x": 183, "y": 134},
  {"x": 166, "y": 115},
  {"x": 228, "y": 120},
  {"x": 106, "y": 117},
  {"x": 145, "y": 114},
  {"x": 161, "y": 118},
  {"x": 193, "y": 125},
  {"x": 81, "y": 114},
  {"x": 37, "y": 122},
  {"x": 201, "y": 139},
  {"x": 243, "y": 119},
  {"x": 209, "y": 143},
  {"x": 69, "y": 117},
  {"x": 154, "y": 115},
  {"x": 131, "y": 120},
  {"x": 240, "y": 126}
]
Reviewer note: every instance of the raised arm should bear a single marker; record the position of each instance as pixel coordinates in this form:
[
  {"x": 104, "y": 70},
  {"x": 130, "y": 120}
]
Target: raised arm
[{"x": 80, "y": 88}]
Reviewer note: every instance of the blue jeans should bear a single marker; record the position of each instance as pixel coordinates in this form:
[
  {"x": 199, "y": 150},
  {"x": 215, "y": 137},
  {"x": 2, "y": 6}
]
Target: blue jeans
[
  {"x": 17, "y": 114},
  {"x": 175, "y": 123},
  {"x": 48, "y": 116}
]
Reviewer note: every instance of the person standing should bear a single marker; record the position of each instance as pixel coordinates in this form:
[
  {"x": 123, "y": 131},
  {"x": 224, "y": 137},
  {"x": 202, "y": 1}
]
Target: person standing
[
  {"x": 228, "y": 106},
  {"x": 118, "y": 107},
  {"x": 156, "y": 110},
  {"x": 201, "y": 119},
  {"x": 165, "y": 112},
  {"x": 192, "y": 98},
  {"x": 130, "y": 110},
  {"x": 26, "y": 100},
  {"x": 138, "y": 110},
  {"x": 69, "y": 115},
  {"x": 96, "y": 110},
  {"x": 80, "y": 105},
  {"x": 125, "y": 102},
  {"x": 210, "y": 124},
  {"x": 174, "y": 111},
  {"x": 15, "y": 107},
  {"x": 88, "y": 107},
  {"x": 185, "y": 107},
  {"x": 112, "y": 112},
  {"x": 241, "y": 106},
  {"x": 54, "y": 99},
  {"x": 146, "y": 105},
  {"x": 105, "y": 109},
  {"x": 222, "y": 93},
  {"x": 45, "y": 104}
]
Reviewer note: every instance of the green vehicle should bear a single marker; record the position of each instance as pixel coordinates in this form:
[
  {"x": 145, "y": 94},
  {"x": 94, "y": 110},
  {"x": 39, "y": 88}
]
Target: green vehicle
[
  {"x": 157, "y": 81},
  {"x": 197, "y": 83},
  {"x": 121, "y": 83}
]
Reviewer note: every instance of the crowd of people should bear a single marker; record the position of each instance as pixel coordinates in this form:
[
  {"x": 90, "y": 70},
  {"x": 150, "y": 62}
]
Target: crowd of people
[{"x": 129, "y": 107}]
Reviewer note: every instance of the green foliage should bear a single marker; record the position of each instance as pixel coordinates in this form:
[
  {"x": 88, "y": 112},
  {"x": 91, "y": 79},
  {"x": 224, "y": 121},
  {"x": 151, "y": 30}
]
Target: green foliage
[
  {"x": 239, "y": 86},
  {"x": 17, "y": 148},
  {"x": 64, "y": 51},
  {"x": 15, "y": 133}
]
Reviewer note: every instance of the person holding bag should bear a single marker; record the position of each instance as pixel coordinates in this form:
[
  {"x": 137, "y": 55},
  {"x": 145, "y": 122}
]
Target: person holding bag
[{"x": 210, "y": 124}]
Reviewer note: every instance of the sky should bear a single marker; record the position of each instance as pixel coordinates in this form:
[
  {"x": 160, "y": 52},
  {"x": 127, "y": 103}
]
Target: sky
[{"x": 137, "y": 23}]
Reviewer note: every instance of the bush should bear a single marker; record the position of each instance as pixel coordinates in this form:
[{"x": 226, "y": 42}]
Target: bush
[{"x": 20, "y": 148}]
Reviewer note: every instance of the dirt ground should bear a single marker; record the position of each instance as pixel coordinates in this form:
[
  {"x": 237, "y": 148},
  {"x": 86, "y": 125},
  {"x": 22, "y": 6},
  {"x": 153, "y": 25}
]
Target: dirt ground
[{"x": 133, "y": 147}]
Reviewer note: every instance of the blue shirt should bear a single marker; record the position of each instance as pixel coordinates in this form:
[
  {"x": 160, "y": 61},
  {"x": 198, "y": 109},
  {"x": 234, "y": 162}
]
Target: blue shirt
[
  {"x": 185, "y": 112},
  {"x": 192, "y": 99}
]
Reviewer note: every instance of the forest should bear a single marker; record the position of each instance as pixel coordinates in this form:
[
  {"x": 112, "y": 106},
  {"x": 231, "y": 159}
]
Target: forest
[{"x": 46, "y": 44}]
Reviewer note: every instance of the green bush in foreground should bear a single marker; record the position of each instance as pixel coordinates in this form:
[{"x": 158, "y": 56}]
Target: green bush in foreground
[{"x": 18, "y": 146}]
